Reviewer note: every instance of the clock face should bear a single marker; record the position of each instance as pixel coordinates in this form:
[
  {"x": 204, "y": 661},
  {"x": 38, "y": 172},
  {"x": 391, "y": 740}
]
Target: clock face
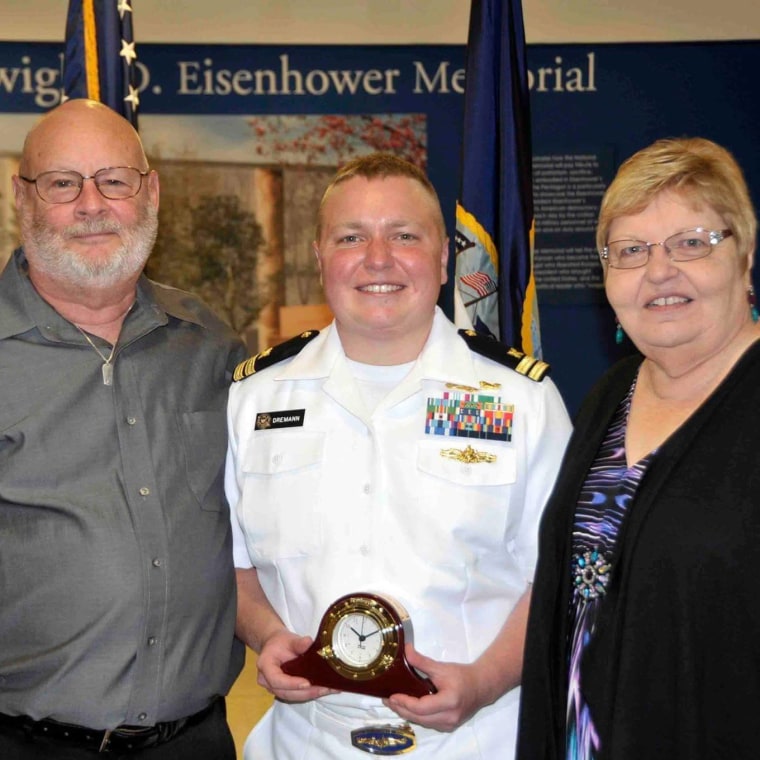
[
  {"x": 357, "y": 639},
  {"x": 360, "y": 635}
]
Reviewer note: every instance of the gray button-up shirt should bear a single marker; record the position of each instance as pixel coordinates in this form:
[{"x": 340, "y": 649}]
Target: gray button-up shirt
[{"x": 117, "y": 595}]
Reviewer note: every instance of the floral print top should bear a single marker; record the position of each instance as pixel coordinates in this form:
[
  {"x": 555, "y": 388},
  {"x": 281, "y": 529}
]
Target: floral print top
[{"x": 607, "y": 493}]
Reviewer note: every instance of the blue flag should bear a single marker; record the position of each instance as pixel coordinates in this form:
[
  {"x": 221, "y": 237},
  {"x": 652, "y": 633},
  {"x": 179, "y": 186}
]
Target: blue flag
[
  {"x": 99, "y": 60},
  {"x": 495, "y": 291}
]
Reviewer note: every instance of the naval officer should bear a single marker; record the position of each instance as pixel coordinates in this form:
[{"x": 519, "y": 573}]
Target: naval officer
[{"x": 390, "y": 453}]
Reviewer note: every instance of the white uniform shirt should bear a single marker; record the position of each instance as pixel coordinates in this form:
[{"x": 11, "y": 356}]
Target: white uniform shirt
[{"x": 353, "y": 501}]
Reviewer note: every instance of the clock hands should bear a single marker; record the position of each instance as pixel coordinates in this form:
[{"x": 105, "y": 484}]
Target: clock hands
[{"x": 364, "y": 636}]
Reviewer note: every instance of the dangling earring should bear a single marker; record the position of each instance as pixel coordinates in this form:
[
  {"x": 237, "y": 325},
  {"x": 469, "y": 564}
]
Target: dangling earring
[
  {"x": 619, "y": 334},
  {"x": 752, "y": 304}
]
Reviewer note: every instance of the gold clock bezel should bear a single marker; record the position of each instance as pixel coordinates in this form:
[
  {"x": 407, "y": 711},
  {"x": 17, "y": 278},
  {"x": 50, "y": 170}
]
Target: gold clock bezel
[{"x": 380, "y": 611}]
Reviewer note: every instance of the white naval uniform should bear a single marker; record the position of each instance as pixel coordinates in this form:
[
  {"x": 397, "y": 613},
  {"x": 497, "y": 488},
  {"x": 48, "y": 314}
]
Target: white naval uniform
[{"x": 356, "y": 501}]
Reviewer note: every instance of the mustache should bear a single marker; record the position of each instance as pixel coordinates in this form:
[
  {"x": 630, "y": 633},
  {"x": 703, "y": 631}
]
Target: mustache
[{"x": 91, "y": 227}]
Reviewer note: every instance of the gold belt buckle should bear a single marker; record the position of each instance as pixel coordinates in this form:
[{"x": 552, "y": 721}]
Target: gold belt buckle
[{"x": 385, "y": 740}]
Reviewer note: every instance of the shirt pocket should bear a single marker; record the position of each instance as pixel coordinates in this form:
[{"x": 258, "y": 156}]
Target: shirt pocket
[
  {"x": 204, "y": 442},
  {"x": 282, "y": 483},
  {"x": 500, "y": 471},
  {"x": 464, "y": 507}
]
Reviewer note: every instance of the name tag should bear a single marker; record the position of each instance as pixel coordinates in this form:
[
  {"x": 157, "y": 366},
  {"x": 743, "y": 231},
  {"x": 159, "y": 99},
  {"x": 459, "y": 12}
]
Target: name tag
[{"x": 283, "y": 419}]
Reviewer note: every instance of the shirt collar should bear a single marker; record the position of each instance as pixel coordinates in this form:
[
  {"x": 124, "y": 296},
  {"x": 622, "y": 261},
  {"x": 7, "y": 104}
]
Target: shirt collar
[
  {"x": 445, "y": 357},
  {"x": 16, "y": 293},
  {"x": 23, "y": 309}
]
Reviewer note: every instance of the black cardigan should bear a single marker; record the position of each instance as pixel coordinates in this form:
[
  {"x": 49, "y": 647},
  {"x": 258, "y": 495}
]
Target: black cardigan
[{"x": 673, "y": 671}]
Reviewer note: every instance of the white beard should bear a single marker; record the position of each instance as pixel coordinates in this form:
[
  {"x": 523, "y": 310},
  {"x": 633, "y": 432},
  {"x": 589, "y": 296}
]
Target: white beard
[{"x": 50, "y": 254}]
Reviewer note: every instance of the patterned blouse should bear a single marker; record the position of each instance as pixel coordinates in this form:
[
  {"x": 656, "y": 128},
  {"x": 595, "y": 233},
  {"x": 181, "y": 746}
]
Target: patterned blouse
[{"x": 608, "y": 491}]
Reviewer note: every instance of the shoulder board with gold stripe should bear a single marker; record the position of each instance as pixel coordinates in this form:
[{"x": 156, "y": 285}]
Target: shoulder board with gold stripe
[
  {"x": 273, "y": 355},
  {"x": 487, "y": 345}
]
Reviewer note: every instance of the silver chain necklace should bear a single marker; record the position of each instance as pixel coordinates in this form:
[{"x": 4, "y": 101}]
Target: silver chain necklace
[{"x": 107, "y": 368}]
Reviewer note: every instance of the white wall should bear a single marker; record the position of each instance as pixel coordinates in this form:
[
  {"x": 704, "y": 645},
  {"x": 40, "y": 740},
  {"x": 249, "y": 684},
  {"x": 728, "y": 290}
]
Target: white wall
[{"x": 398, "y": 21}]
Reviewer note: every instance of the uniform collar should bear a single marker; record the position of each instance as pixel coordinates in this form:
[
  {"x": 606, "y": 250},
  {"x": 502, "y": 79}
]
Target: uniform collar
[
  {"x": 317, "y": 358},
  {"x": 445, "y": 357}
]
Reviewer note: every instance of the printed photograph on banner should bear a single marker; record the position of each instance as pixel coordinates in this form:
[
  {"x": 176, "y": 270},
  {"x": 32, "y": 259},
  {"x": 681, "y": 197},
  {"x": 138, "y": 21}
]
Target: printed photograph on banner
[
  {"x": 239, "y": 197},
  {"x": 9, "y": 235},
  {"x": 13, "y": 128}
]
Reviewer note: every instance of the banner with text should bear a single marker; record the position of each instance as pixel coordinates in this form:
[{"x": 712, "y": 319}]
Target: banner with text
[{"x": 253, "y": 132}]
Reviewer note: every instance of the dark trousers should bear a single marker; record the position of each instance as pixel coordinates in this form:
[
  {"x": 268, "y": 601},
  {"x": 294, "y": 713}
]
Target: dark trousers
[{"x": 210, "y": 739}]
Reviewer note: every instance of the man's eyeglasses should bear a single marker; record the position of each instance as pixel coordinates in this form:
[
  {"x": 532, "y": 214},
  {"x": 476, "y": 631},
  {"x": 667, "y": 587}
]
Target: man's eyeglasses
[
  {"x": 683, "y": 246},
  {"x": 117, "y": 183}
]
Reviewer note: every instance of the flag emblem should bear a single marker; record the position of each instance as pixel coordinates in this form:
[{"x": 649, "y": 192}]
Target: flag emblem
[{"x": 479, "y": 282}]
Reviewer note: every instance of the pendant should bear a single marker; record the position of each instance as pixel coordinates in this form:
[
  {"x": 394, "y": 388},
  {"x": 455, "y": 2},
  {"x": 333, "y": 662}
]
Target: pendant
[{"x": 107, "y": 373}]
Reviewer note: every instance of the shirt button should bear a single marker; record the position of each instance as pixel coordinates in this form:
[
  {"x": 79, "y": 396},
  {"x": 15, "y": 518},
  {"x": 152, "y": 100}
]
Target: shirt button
[
  {"x": 364, "y": 550},
  {"x": 144, "y": 491},
  {"x": 157, "y": 562},
  {"x": 131, "y": 421},
  {"x": 277, "y": 458},
  {"x": 152, "y": 641},
  {"x": 142, "y": 716},
  {"x": 367, "y": 488}
]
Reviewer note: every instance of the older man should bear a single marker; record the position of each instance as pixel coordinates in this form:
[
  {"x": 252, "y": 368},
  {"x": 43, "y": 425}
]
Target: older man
[
  {"x": 117, "y": 596},
  {"x": 388, "y": 454}
]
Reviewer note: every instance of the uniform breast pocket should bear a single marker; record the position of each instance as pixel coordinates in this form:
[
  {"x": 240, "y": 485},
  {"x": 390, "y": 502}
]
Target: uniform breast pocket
[
  {"x": 465, "y": 497},
  {"x": 282, "y": 484}
]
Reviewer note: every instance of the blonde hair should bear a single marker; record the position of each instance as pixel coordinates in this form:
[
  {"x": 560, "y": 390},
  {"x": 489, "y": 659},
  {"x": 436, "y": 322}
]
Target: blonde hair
[
  {"x": 699, "y": 168},
  {"x": 380, "y": 166}
]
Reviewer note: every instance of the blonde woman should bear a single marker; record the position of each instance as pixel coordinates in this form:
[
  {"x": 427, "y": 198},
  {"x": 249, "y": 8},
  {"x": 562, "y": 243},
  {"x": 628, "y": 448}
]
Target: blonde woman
[{"x": 644, "y": 632}]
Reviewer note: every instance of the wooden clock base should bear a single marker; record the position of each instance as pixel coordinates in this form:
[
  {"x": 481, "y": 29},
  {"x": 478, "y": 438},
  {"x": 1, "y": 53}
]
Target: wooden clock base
[{"x": 390, "y": 674}]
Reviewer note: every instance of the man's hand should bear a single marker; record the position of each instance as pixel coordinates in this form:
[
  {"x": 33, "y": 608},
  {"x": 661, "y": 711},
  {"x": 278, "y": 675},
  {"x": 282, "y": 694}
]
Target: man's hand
[
  {"x": 459, "y": 694},
  {"x": 465, "y": 689},
  {"x": 259, "y": 626},
  {"x": 276, "y": 650}
]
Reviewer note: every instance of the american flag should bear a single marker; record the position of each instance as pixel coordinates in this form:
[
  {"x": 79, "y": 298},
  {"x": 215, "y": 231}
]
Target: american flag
[
  {"x": 100, "y": 57},
  {"x": 480, "y": 282}
]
